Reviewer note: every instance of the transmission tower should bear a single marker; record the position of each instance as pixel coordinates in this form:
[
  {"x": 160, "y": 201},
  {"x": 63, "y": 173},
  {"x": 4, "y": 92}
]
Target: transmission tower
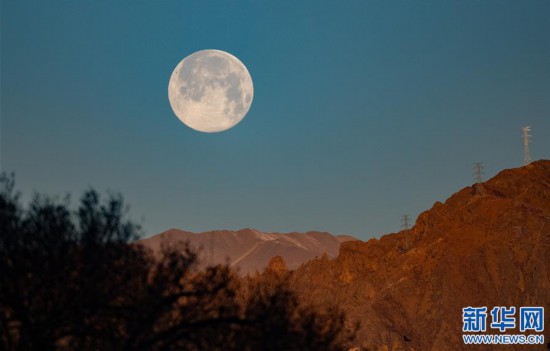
[
  {"x": 405, "y": 225},
  {"x": 526, "y": 141},
  {"x": 405, "y": 222},
  {"x": 478, "y": 172}
]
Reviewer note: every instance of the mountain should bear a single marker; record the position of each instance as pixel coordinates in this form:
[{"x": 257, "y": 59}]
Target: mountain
[
  {"x": 487, "y": 245},
  {"x": 250, "y": 250}
]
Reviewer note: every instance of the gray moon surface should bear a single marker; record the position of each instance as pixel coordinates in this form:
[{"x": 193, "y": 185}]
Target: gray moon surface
[{"x": 210, "y": 91}]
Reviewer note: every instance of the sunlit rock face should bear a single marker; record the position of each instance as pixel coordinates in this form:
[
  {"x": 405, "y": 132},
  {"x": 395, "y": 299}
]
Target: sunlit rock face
[{"x": 487, "y": 245}]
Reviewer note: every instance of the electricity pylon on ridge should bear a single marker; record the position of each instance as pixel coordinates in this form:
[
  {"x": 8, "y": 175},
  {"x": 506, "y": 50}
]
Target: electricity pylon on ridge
[
  {"x": 405, "y": 226},
  {"x": 526, "y": 141},
  {"x": 405, "y": 222},
  {"x": 478, "y": 172}
]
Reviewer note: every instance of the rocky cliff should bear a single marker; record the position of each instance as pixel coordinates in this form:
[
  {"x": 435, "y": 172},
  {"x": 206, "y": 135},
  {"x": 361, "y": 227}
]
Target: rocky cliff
[{"x": 487, "y": 245}]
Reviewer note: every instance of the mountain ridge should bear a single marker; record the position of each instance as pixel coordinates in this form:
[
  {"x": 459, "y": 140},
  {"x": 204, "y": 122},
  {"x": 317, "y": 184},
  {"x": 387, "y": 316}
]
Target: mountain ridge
[
  {"x": 249, "y": 250},
  {"x": 486, "y": 245}
]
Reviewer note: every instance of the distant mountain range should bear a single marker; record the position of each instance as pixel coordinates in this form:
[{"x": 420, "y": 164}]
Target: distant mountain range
[
  {"x": 250, "y": 250},
  {"x": 487, "y": 245}
]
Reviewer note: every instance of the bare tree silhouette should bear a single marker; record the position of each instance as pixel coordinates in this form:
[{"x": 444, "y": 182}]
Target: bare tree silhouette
[{"x": 75, "y": 280}]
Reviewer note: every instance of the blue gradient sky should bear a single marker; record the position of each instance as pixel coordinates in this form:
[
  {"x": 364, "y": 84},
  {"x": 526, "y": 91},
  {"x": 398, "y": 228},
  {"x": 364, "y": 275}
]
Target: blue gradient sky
[{"x": 363, "y": 110}]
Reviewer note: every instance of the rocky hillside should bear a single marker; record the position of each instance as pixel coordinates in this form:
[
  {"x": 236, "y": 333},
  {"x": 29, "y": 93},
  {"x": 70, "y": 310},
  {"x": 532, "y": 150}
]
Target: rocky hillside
[
  {"x": 487, "y": 245},
  {"x": 250, "y": 250}
]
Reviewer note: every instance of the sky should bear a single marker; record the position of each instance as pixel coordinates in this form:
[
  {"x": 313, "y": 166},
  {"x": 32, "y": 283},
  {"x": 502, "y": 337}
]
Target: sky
[{"x": 363, "y": 111}]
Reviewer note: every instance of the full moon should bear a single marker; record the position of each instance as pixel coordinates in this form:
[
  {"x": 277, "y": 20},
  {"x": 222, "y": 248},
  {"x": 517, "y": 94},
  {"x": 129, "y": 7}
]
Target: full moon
[{"x": 210, "y": 91}]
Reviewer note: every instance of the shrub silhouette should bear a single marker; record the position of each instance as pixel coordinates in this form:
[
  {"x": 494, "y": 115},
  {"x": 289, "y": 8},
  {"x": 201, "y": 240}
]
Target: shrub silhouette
[{"x": 75, "y": 280}]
